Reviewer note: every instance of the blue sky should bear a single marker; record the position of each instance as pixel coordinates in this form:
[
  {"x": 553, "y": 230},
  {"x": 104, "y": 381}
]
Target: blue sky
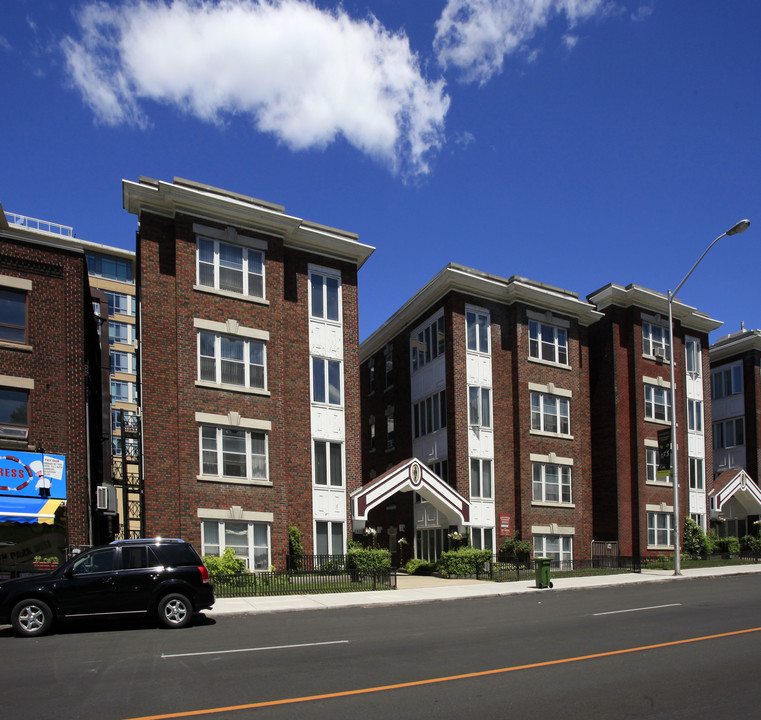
[{"x": 573, "y": 142}]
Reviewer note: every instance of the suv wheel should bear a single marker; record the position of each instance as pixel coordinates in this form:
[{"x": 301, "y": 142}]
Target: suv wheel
[
  {"x": 175, "y": 611},
  {"x": 31, "y": 618}
]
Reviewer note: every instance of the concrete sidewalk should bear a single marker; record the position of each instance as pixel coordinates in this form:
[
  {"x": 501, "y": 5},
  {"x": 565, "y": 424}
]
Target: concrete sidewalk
[{"x": 419, "y": 589}]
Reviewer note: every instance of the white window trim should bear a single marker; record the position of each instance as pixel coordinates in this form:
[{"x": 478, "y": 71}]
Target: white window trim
[
  {"x": 547, "y": 318},
  {"x": 550, "y": 503},
  {"x": 328, "y": 485},
  {"x": 478, "y": 311},
  {"x": 664, "y": 385},
  {"x": 327, "y": 272},
  {"x": 326, "y": 403},
  {"x": 549, "y": 389},
  {"x": 658, "y": 482}
]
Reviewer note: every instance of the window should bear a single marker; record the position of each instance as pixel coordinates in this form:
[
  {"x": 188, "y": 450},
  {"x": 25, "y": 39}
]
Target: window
[
  {"x": 389, "y": 428},
  {"x": 109, "y": 267},
  {"x": 556, "y": 547},
  {"x": 372, "y": 432},
  {"x": 697, "y": 475},
  {"x": 328, "y": 463},
  {"x": 693, "y": 359},
  {"x": 479, "y": 406},
  {"x": 657, "y": 403},
  {"x": 118, "y": 443},
  {"x": 119, "y": 332},
  {"x": 371, "y": 375},
  {"x": 389, "y": 366},
  {"x": 428, "y": 344},
  {"x": 429, "y": 415},
  {"x": 655, "y": 340},
  {"x": 660, "y": 527},
  {"x": 695, "y": 415},
  {"x": 326, "y": 294},
  {"x": 550, "y": 413},
  {"x": 477, "y": 328},
  {"x": 482, "y": 538},
  {"x": 234, "y": 453},
  {"x": 250, "y": 541},
  {"x": 130, "y": 420},
  {"x": 700, "y": 519},
  {"x": 547, "y": 342},
  {"x": 551, "y": 483},
  {"x": 726, "y": 382},
  {"x": 440, "y": 468},
  {"x": 230, "y": 268},
  {"x": 652, "y": 457},
  {"x": 480, "y": 479},
  {"x": 12, "y": 315},
  {"x": 329, "y": 538},
  {"x": 326, "y": 381},
  {"x": 728, "y": 434},
  {"x": 123, "y": 391},
  {"x": 121, "y": 361},
  {"x": 14, "y": 413},
  {"x": 120, "y": 303},
  {"x": 227, "y": 360}
]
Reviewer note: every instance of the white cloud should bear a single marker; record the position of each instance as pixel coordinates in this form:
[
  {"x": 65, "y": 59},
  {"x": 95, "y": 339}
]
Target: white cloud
[
  {"x": 476, "y": 35},
  {"x": 303, "y": 74},
  {"x": 4, "y": 44}
]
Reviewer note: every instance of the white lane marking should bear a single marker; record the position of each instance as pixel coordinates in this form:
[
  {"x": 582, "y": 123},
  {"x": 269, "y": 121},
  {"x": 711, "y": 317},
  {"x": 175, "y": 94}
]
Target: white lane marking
[
  {"x": 256, "y": 649},
  {"x": 652, "y": 607}
]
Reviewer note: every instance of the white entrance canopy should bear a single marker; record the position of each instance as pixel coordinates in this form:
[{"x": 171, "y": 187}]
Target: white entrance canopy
[
  {"x": 740, "y": 486},
  {"x": 408, "y": 476}
]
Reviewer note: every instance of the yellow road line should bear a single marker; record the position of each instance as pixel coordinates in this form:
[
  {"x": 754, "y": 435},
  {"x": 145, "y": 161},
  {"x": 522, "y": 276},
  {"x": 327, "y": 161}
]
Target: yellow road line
[{"x": 431, "y": 681}]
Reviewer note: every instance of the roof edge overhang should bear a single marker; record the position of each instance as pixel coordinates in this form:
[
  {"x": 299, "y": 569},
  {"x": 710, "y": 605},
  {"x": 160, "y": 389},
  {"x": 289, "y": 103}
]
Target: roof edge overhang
[
  {"x": 735, "y": 344},
  {"x": 205, "y": 202},
  {"x": 642, "y": 297},
  {"x": 459, "y": 278},
  {"x": 741, "y": 484}
]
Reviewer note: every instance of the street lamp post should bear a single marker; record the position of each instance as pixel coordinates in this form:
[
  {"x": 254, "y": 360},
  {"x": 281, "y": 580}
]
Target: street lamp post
[{"x": 737, "y": 228}]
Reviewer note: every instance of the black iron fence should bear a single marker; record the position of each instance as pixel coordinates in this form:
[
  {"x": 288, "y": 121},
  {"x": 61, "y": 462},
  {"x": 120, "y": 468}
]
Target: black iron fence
[{"x": 507, "y": 569}]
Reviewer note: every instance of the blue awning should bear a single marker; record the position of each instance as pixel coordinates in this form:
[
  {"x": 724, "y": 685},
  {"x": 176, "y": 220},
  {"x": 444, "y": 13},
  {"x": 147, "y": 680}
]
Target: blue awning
[{"x": 28, "y": 510}]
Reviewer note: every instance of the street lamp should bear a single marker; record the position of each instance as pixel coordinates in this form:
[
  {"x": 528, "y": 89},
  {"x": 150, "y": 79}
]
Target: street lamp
[{"x": 736, "y": 229}]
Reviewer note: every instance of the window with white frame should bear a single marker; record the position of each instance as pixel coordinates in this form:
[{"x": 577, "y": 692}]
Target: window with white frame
[
  {"x": 697, "y": 473},
  {"x": 655, "y": 340},
  {"x": 388, "y": 361},
  {"x": 326, "y": 381},
  {"x": 726, "y": 382},
  {"x": 652, "y": 460},
  {"x": 728, "y": 433},
  {"x": 693, "y": 358},
  {"x": 121, "y": 362},
  {"x": 427, "y": 344},
  {"x": 547, "y": 342},
  {"x": 479, "y": 406},
  {"x": 550, "y": 413},
  {"x": 657, "y": 403},
  {"x": 119, "y": 332},
  {"x": 123, "y": 391},
  {"x": 14, "y": 413},
  {"x": 120, "y": 303},
  {"x": 481, "y": 484},
  {"x": 660, "y": 527},
  {"x": 13, "y": 321},
  {"x": 429, "y": 415},
  {"x": 249, "y": 541},
  {"x": 477, "y": 330},
  {"x": 551, "y": 483},
  {"x": 230, "y": 360},
  {"x": 233, "y": 452},
  {"x": 230, "y": 268},
  {"x": 695, "y": 416},
  {"x": 482, "y": 538},
  {"x": 555, "y": 547},
  {"x": 440, "y": 468},
  {"x": 329, "y": 538},
  {"x": 325, "y": 289},
  {"x": 700, "y": 519},
  {"x": 328, "y": 463}
]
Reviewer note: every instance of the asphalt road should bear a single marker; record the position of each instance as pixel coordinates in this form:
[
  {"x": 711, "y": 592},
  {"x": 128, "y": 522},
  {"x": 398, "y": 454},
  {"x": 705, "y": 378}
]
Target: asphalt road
[{"x": 687, "y": 649}]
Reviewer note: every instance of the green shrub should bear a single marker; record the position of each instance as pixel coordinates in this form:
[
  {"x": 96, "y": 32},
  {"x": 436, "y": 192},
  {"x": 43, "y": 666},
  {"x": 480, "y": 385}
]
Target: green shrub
[
  {"x": 710, "y": 542},
  {"x": 463, "y": 561},
  {"x": 295, "y": 541},
  {"x": 516, "y": 547},
  {"x": 416, "y": 566},
  {"x": 368, "y": 560},
  {"x": 750, "y": 544},
  {"x": 728, "y": 545},
  {"x": 226, "y": 564},
  {"x": 695, "y": 545}
]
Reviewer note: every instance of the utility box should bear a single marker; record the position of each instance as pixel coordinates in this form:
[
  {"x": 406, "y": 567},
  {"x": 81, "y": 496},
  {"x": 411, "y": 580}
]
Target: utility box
[{"x": 542, "y": 567}]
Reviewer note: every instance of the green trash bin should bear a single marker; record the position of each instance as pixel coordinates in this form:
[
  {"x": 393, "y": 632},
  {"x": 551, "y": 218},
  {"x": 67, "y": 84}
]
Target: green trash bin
[{"x": 542, "y": 567}]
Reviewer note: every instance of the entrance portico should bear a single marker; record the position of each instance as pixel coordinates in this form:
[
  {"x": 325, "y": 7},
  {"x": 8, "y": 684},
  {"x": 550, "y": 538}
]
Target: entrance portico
[{"x": 735, "y": 503}]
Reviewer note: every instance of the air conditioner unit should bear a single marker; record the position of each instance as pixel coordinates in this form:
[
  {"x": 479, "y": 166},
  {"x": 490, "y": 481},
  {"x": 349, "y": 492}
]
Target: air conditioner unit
[
  {"x": 106, "y": 498},
  {"x": 660, "y": 352}
]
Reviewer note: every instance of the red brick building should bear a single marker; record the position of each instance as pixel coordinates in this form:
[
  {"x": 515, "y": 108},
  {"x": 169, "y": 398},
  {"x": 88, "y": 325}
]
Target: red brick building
[
  {"x": 483, "y": 383},
  {"x": 53, "y": 443},
  {"x": 248, "y": 346},
  {"x": 631, "y": 404}
]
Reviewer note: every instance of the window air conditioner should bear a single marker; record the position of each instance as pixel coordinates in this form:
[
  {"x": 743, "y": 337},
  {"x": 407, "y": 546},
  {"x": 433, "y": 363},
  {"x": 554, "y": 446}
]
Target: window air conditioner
[
  {"x": 106, "y": 498},
  {"x": 660, "y": 352}
]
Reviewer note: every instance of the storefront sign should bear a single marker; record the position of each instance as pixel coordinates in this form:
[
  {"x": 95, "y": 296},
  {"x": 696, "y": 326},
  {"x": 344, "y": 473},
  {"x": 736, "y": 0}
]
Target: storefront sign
[{"x": 505, "y": 525}]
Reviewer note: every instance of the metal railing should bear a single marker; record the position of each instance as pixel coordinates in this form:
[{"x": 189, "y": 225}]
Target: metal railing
[
  {"x": 39, "y": 225},
  {"x": 509, "y": 569}
]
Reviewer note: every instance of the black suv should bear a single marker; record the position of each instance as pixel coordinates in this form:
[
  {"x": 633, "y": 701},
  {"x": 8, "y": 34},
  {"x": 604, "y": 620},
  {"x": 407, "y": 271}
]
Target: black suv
[{"x": 160, "y": 576}]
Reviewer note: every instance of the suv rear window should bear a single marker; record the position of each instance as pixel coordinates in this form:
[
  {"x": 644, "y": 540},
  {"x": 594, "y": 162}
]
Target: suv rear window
[
  {"x": 138, "y": 556},
  {"x": 177, "y": 554}
]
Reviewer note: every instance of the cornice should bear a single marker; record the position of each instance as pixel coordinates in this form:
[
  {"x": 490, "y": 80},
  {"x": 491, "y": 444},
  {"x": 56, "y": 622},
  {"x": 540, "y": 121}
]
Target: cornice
[{"x": 734, "y": 345}]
